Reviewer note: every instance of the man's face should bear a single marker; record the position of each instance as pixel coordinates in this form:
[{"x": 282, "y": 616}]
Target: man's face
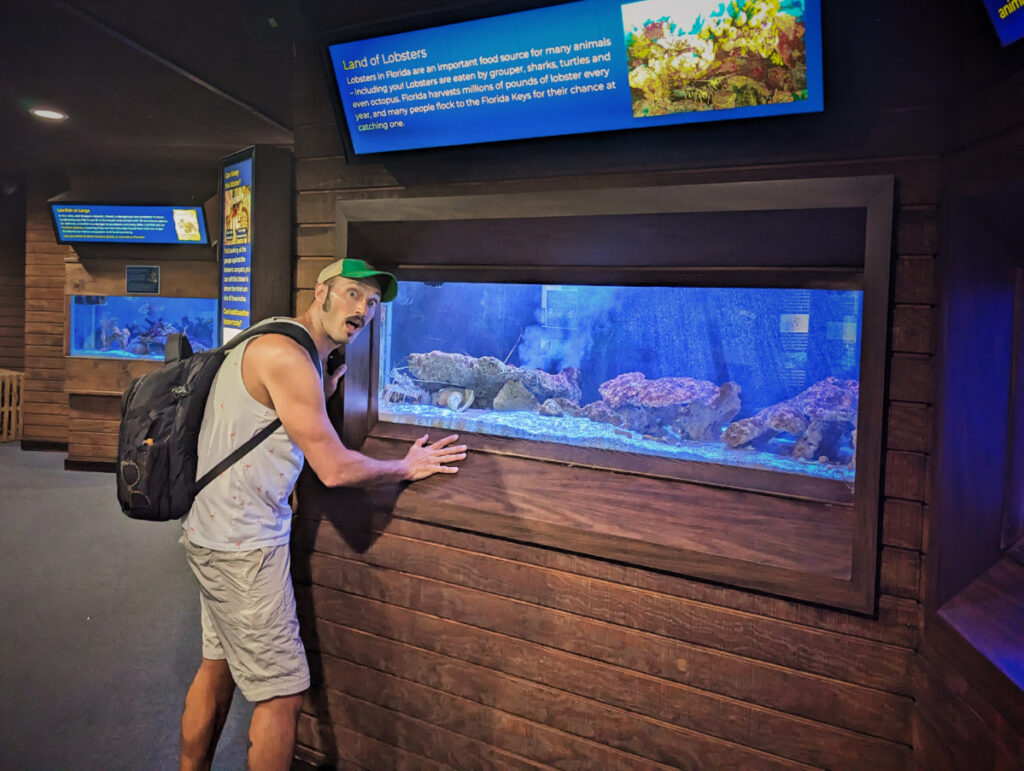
[{"x": 349, "y": 305}]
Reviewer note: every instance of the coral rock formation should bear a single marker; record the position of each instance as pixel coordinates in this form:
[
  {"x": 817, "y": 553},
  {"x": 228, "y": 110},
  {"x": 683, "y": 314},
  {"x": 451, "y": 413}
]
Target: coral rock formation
[
  {"x": 672, "y": 407},
  {"x": 818, "y": 417},
  {"x": 487, "y": 375}
]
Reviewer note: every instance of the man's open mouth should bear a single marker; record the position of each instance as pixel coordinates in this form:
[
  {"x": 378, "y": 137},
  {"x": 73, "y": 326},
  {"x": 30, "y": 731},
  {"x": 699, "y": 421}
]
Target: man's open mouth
[{"x": 354, "y": 324}]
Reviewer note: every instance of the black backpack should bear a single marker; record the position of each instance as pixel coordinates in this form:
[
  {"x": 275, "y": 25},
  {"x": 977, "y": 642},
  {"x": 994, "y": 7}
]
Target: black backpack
[{"x": 161, "y": 413}]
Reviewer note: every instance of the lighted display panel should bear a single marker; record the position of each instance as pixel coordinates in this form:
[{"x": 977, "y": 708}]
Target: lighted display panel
[
  {"x": 80, "y": 223},
  {"x": 579, "y": 67},
  {"x": 236, "y": 246}
]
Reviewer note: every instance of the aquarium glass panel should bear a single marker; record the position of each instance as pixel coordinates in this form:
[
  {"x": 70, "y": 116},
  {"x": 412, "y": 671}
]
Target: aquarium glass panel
[
  {"x": 123, "y": 327},
  {"x": 756, "y": 378}
]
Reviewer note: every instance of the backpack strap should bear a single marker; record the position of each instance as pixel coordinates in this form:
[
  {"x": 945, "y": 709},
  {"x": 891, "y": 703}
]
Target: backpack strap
[
  {"x": 295, "y": 331},
  {"x": 299, "y": 334}
]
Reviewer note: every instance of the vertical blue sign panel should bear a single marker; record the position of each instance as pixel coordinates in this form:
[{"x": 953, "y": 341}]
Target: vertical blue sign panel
[
  {"x": 1008, "y": 18},
  {"x": 236, "y": 249}
]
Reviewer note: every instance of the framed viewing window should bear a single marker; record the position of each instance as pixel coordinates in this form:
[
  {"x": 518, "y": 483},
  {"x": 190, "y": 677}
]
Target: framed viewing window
[{"x": 686, "y": 378}]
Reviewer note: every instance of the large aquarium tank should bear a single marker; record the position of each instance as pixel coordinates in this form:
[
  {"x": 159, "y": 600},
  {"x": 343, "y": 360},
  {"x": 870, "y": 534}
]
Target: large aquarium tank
[
  {"x": 131, "y": 327},
  {"x": 745, "y": 377}
]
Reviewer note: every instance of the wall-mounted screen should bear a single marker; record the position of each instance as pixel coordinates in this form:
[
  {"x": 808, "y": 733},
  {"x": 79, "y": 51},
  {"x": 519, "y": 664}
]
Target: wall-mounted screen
[
  {"x": 236, "y": 244},
  {"x": 1008, "y": 19},
  {"x": 80, "y": 223},
  {"x": 595, "y": 65},
  {"x": 124, "y": 327}
]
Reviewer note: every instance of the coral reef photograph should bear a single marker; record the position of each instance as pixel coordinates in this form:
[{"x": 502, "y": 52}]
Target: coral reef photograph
[{"x": 700, "y": 55}]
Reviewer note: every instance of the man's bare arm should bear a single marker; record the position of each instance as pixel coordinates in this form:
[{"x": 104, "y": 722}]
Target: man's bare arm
[{"x": 284, "y": 369}]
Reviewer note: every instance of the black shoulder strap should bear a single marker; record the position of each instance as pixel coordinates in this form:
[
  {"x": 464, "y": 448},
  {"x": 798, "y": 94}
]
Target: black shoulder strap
[
  {"x": 291, "y": 329},
  {"x": 299, "y": 334}
]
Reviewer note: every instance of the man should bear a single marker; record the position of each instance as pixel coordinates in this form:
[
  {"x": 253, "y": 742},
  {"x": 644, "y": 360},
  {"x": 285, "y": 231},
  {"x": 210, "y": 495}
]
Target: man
[{"x": 236, "y": 534}]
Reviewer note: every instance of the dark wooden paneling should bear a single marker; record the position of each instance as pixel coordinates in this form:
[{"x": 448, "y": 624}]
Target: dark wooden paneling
[
  {"x": 626, "y": 724},
  {"x": 419, "y": 737},
  {"x": 909, "y": 427},
  {"x": 778, "y": 239},
  {"x": 341, "y": 748},
  {"x": 906, "y": 475},
  {"x": 45, "y": 419},
  {"x": 553, "y": 649},
  {"x": 912, "y": 378},
  {"x": 897, "y": 623},
  {"x": 105, "y": 376},
  {"x": 471, "y": 618},
  {"x": 974, "y": 398},
  {"x": 804, "y": 648},
  {"x": 955, "y": 727},
  {"x": 912, "y": 329},
  {"x": 901, "y": 572},
  {"x": 336, "y": 174},
  {"x": 177, "y": 279},
  {"x": 902, "y": 524},
  {"x": 990, "y": 615},
  {"x": 915, "y": 281}
]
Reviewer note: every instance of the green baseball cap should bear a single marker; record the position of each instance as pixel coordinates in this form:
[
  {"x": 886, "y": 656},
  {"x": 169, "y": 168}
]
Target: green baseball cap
[{"x": 353, "y": 268}]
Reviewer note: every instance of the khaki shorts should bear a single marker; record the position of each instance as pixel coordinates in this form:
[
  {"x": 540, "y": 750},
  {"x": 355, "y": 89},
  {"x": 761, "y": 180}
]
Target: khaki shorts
[{"x": 248, "y": 616}]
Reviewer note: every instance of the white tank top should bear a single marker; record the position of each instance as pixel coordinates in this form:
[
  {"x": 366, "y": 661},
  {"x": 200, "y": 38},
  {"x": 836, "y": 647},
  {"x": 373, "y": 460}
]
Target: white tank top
[{"x": 246, "y": 507}]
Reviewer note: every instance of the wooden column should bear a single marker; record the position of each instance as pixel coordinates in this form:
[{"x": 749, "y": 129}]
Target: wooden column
[
  {"x": 12, "y": 280},
  {"x": 45, "y": 405}
]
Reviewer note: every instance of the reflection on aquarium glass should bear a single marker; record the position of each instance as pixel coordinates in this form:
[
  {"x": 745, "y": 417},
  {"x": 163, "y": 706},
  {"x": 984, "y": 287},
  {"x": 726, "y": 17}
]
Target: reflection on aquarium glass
[
  {"x": 756, "y": 378},
  {"x": 122, "y": 327}
]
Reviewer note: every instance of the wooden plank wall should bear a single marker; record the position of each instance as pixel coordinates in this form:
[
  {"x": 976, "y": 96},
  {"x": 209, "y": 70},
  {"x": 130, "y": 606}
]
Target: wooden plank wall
[
  {"x": 956, "y": 724},
  {"x": 45, "y": 405},
  {"x": 968, "y": 714},
  {"x": 95, "y": 386},
  {"x": 12, "y": 280},
  {"x": 430, "y": 639},
  {"x": 434, "y": 648}
]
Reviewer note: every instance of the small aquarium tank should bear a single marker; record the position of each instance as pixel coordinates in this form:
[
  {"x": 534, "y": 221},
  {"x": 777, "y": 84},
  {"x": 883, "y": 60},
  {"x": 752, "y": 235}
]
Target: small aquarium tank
[
  {"x": 755, "y": 378},
  {"x": 129, "y": 327}
]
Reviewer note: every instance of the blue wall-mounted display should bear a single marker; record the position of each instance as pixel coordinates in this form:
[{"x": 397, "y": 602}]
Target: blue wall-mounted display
[
  {"x": 120, "y": 327},
  {"x": 236, "y": 245},
  {"x": 80, "y": 223},
  {"x": 580, "y": 67},
  {"x": 1008, "y": 19}
]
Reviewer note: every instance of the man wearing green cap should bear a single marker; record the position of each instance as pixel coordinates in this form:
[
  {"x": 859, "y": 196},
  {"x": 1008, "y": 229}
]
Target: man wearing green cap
[{"x": 236, "y": 534}]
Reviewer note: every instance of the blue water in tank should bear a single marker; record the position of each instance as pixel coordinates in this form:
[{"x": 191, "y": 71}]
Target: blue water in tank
[
  {"x": 753, "y": 377},
  {"x": 132, "y": 327}
]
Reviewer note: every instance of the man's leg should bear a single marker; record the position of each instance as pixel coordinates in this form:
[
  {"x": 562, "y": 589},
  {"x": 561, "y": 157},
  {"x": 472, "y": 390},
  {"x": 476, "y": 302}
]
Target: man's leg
[
  {"x": 206, "y": 708},
  {"x": 272, "y": 733}
]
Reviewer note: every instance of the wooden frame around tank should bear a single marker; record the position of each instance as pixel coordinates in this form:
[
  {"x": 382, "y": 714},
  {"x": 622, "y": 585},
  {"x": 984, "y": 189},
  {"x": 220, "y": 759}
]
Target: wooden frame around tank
[{"x": 793, "y": 537}]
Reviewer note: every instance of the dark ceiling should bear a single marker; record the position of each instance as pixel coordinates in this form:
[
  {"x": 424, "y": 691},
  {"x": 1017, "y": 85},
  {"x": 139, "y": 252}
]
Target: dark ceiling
[{"x": 146, "y": 84}]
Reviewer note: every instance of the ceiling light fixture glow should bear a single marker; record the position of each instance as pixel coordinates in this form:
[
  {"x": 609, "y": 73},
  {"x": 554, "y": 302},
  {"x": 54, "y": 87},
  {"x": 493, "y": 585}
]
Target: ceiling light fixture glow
[{"x": 47, "y": 114}]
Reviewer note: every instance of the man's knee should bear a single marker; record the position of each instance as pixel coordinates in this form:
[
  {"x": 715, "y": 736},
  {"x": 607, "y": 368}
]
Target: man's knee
[{"x": 282, "y": 704}]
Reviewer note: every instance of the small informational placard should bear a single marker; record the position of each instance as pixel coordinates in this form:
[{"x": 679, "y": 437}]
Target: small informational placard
[
  {"x": 142, "y": 279},
  {"x": 595, "y": 65},
  {"x": 78, "y": 223},
  {"x": 1008, "y": 19},
  {"x": 236, "y": 245}
]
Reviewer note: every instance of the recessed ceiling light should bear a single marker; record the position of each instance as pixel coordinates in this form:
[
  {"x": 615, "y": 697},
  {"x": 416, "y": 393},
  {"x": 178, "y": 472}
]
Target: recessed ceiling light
[{"x": 47, "y": 114}]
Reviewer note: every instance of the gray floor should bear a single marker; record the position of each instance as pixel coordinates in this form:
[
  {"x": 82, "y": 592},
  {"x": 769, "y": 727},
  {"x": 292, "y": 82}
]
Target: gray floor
[{"x": 99, "y": 627}]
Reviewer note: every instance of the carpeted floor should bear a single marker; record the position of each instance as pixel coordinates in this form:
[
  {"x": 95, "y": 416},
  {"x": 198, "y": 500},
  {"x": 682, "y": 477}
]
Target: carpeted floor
[{"x": 99, "y": 627}]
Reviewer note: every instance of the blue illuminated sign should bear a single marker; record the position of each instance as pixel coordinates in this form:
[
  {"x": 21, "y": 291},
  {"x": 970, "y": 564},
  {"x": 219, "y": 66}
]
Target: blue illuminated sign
[
  {"x": 1008, "y": 19},
  {"x": 77, "y": 223},
  {"x": 236, "y": 248},
  {"x": 586, "y": 66}
]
